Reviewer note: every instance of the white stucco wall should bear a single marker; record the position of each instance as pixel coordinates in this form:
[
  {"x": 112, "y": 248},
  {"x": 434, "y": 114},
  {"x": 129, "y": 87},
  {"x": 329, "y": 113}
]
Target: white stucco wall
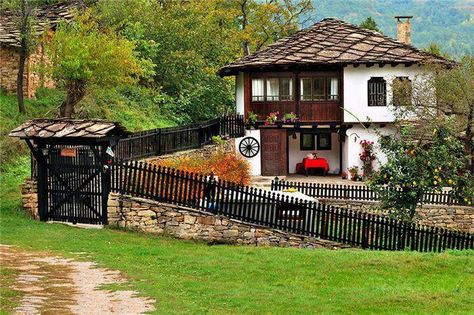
[
  {"x": 239, "y": 93},
  {"x": 355, "y": 91},
  {"x": 296, "y": 156},
  {"x": 352, "y": 147},
  {"x": 255, "y": 162}
]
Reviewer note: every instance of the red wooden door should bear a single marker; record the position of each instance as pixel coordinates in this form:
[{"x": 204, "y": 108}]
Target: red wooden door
[{"x": 273, "y": 154}]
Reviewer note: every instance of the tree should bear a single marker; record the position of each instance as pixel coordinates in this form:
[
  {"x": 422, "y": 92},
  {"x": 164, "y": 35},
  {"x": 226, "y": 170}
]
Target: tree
[
  {"x": 263, "y": 22},
  {"x": 444, "y": 97},
  {"x": 22, "y": 12},
  {"x": 414, "y": 168},
  {"x": 370, "y": 24},
  {"x": 211, "y": 34},
  {"x": 84, "y": 55},
  {"x": 433, "y": 48}
]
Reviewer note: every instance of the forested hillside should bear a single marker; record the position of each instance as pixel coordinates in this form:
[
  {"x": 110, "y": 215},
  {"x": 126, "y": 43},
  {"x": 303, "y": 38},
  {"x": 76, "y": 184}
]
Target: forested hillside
[{"x": 450, "y": 23}]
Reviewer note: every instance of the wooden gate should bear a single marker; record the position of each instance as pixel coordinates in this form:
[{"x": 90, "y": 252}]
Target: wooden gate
[
  {"x": 274, "y": 153},
  {"x": 75, "y": 185}
]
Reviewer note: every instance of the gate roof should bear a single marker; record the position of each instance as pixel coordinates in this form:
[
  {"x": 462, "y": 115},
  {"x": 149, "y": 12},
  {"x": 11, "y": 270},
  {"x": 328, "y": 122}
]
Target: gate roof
[{"x": 55, "y": 129}]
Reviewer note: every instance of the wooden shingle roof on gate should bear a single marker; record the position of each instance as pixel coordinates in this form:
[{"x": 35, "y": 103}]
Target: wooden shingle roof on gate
[
  {"x": 67, "y": 128},
  {"x": 333, "y": 42}
]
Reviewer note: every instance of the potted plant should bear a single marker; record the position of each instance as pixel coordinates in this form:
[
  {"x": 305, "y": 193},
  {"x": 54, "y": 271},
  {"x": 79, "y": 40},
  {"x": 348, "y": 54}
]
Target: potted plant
[
  {"x": 290, "y": 118},
  {"x": 344, "y": 175},
  {"x": 251, "y": 120},
  {"x": 354, "y": 171},
  {"x": 272, "y": 119}
]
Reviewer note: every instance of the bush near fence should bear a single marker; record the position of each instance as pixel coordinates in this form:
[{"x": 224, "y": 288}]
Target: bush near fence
[{"x": 285, "y": 213}]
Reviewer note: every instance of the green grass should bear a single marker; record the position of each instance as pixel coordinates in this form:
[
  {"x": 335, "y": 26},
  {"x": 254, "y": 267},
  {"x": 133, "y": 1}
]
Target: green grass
[{"x": 192, "y": 277}]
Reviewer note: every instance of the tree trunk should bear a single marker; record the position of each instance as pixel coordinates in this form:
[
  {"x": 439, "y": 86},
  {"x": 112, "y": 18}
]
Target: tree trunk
[
  {"x": 19, "y": 81},
  {"x": 470, "y": 135},
  {"x": 23, "y": 55},
  {"x": 76, "y": 90}
]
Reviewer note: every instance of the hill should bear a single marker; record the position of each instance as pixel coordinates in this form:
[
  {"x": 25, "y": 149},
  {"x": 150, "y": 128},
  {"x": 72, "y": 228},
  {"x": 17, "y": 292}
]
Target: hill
[{"x": 450, "y": 23}]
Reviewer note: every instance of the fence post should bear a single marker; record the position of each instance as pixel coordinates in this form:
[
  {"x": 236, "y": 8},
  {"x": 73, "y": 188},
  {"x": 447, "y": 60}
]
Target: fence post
[{"x": 365, "y": 232}]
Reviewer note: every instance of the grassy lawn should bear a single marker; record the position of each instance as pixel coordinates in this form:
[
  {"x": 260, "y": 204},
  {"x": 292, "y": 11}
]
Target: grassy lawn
[{"x": 185, "y": 276}]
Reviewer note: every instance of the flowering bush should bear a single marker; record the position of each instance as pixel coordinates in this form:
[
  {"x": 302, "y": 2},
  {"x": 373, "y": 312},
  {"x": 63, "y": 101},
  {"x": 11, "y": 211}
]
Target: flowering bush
[
  {"x": 226, "y": 165},
  {"x": 367, "y": 157},
  {"x": 290, "y": 118},
  {"x": 272, "y": 118}
]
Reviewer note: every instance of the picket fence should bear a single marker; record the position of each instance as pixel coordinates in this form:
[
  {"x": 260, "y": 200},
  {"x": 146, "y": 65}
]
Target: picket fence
[
  {"x": 355, "y": 192},
  {"x": 275, "y": 210}
]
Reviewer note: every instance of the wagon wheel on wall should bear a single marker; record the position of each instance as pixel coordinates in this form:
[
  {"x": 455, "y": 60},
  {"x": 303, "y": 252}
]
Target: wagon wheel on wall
[{"x": 249, "y": 147}]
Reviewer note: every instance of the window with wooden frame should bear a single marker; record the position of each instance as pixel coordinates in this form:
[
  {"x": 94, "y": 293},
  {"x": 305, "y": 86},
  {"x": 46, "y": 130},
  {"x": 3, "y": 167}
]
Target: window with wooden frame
[
  {"x": 402, "y": 91},
  {"x": 324, "y": 141},
  {"x": 272, "y": 89},
  {"x": 307, "y": 142},
  {"x": 320, "y": 88},
  {"x": 377, "y": 92},
  {"x": 258, "y": 90}
]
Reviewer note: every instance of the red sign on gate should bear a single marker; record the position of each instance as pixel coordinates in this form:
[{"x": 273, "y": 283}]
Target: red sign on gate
[{"x": 68, "y": 152}]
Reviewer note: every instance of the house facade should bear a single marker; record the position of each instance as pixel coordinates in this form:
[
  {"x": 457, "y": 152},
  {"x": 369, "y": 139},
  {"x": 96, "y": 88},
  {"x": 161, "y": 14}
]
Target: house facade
[
  {"x": 46, "y": 18},
  {"x": 336, "y": 78}
]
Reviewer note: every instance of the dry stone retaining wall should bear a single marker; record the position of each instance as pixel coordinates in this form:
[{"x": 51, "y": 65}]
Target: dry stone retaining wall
[
  {"x": 186, "y": 223},
  {"x": 123, "y": 214},
  {"x": 29, "y": 198},
  {"x": 460, "y": 218}
]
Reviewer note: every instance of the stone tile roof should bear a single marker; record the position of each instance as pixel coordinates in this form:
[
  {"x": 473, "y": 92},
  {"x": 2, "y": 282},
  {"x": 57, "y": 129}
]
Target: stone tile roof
[
  {"x": 67, "y": 128},
  {"x": 47, "y": 16},
  {"x": 333, "y": 42}
]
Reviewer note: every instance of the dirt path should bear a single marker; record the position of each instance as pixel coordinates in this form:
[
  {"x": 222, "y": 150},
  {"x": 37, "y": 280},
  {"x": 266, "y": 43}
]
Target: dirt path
[{"x": 54, "y": 285}]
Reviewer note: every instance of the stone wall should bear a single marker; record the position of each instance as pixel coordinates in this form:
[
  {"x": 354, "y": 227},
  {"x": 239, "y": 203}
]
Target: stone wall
[
  {"x": 150, "y": 216},
  {"x": 29, "y": 198},
  {"x": 186, "y": 223},
  {"x": 458, "y": 218},
  {"x": 32, "y": 77}
]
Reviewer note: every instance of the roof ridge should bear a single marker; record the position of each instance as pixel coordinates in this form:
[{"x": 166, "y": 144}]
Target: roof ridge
[
  {"x": 405, "y": 45},
  {"x": 334, "y": 41}
]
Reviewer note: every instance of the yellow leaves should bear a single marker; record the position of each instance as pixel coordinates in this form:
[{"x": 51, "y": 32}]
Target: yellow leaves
[{"x": 85, "y": 51}]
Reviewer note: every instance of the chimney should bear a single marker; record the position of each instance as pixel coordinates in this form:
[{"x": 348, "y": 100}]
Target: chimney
[{"x": 403, "y": 29}]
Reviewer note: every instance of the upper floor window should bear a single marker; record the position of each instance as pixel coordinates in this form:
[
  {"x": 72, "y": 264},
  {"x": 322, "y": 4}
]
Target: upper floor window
[
  {"x": 272, "y": 89},
  {"x": 319, "y": 89},
  {"x": 258, "y": 90},
  {"x": 402, "y": 91},
  {"x": 377, "y": 91}
]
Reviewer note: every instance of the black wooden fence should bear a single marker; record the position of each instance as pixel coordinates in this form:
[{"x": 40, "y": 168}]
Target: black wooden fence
[
  {"x": 279, "y": 211},
  {"x": 162, "y": 141},
  {"x": 355, "y": 192}
]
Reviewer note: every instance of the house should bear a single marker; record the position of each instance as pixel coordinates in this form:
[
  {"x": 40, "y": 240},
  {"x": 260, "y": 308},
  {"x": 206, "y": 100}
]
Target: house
[
  {"x": 337, "y": 78},
  {"x": 46, "y": 18}
]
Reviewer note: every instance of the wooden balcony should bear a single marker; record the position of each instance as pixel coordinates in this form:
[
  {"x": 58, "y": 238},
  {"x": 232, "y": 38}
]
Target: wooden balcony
[{"x": 308, "y": 111}]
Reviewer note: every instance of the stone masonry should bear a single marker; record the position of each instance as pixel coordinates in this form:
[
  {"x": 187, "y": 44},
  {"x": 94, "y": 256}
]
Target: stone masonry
[
  {"x": 460, "y": 218},
  {"x": 32, "y": 77},
  {"x": 29, "y": 198},
  {"x": 186, "y": 223},
  {"x": 150, "y": 216}
]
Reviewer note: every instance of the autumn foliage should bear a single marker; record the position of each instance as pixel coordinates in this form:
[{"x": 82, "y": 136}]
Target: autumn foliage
[{"x": 226, "y": 165}]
